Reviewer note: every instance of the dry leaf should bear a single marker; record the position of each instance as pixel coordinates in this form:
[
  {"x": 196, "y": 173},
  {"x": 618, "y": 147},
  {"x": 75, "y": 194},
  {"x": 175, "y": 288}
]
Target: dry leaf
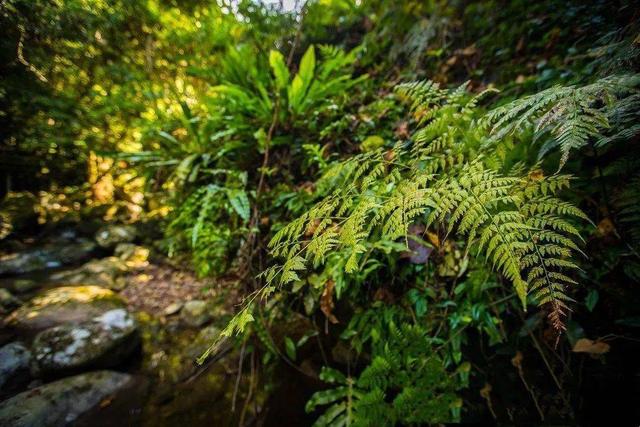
[
  {"x": 536, "y": 175},
  {"x": 402, "y": 131},
  {"x": 585, "y": 345},
  {"x": 605, "y": 227},
  {"x": 485, "y": 391},
  {"x": 433, "y": 238},
  {"x": 469, "y": 50},
  {"x": 389, "y": 155},
  {"x": 517, "y": 360},
  {"x": 312, "y": 227},
  {"x": 326, "y": 301}
]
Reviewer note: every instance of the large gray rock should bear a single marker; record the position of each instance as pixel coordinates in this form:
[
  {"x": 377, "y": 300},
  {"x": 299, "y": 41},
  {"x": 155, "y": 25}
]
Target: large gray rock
[
  {"x": 195, "y": 313},
  {"x": 62, "y": 402},
  {"x": 110, "y": 236},
  {"x": 49, "y": 256},
  {"x": 105, "y": 272},
  {"x": 14, "y": 360},
  {"x": 103, "y": 342},
  {"x": 67, "y": 304}
]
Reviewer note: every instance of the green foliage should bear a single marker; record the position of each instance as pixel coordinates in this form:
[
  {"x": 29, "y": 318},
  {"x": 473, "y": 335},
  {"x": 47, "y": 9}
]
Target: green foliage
[
  {"x": 404, "y": 383},
  {"x": 570, "y": 115},
  {"x": 411, "y": 223},
  {"x": 515, "y": 221},
  {"x": 206, "y": 220}
]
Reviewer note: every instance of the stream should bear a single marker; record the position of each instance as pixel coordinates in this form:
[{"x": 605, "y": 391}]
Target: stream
[{"x": 97, "y": 331}]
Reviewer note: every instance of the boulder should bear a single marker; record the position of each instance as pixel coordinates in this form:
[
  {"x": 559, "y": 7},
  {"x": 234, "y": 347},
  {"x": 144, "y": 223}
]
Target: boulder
[
  {"x": 195, "y": 313},
  {"x": 103, "y": 272},
  {"x": 14, "y": 362},
  {"x": 49, "y": 256},
  {"x": 109, "y": 236},
  {"x": 67, "y": 304},
  {"x": 62, "y": 402},
  {"x": 103, "y": 342},
  {"x": 17, "y": 213}
]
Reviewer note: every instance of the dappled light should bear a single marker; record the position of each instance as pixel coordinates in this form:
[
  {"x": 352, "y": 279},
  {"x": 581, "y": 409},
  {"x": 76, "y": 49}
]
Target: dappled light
[{"x": 319, "y": 212}]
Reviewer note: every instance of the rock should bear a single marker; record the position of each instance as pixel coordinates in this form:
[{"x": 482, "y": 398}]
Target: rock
[
  {"x": 61, "y": 402},
  {"x": 24, "y": 286},
  {"x": 103, "y": 342},
  {"x": 49, "y": 256},
  {"x": 172, "y": 308},
  {"x": 8, "y": 301},
  {"x": 98, "y": 272},
  {"x": 14, "y": 361},
  {"x": 133, "y": 255},
  {"x": 110, "y": 235},
  {"x": 67, "y": 304},
  {"x": 17, "y": 213},
  {"x": 195, "y": 313},
  {"x": 206, "y": 337}
]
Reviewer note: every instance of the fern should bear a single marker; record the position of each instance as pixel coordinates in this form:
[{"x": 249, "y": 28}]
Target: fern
[
  {"x": 515, "y": 221},
  {"x": 571, "y": 115},
  {"x": 404, "y": 384}
]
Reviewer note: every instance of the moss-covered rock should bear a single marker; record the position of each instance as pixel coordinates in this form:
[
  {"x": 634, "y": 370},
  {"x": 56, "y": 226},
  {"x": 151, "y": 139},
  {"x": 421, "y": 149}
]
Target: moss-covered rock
[
  {"x": 110, "y": 236},
  {"x": 49, "y": 256},
  {"x": 105, "y": 272},
  {"x": 62, "y": 402},
  {"x": 195, "y": 313},
  {"x": 67, "y": 304},
  {"x": 103, "y": 342}
]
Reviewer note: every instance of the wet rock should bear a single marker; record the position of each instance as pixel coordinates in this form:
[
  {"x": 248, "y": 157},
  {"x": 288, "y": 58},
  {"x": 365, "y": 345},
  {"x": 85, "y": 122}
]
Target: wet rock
[
  {"x": 109, "y": 236},
  {"x": 103, "y": 272},
  {"x": 17, "y": 213},
  {"x": 206, "y": 338},
  {"x": 172, "y": 309},
  {"x": 103, "y": 342},
  {"x": 49, "y": 256},
  {"x": 67, "y": 304},
  {"x": 195, "y": 313},
  {"x": 24, "y": 286},
  {"x": 14, "y": 362},
  {"x": 8, "y": 301},
  {"x": 62, "y": 402}
]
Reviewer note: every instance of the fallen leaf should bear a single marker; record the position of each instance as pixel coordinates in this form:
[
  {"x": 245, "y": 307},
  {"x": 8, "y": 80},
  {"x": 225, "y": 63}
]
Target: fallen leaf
[{"x": 585, "y": 345}]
